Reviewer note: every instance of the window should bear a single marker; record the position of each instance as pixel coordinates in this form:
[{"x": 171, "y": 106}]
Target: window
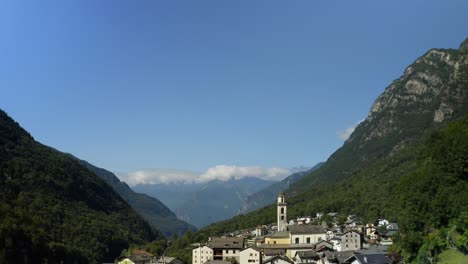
[
  {"x": 308, "y": 240},
  {"x": 274, "y": 242},
  {"x": 251, "y": 254},
  {"x": 282, "y": 210},
  {"x": 282, "y": 217},
  {"x": 297, "y": 240},
  {"x": 346, "y": 245}
]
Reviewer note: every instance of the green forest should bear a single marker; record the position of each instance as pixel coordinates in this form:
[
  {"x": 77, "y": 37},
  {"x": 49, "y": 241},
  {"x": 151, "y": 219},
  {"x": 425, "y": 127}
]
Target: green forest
[{"x": 54, "y": 210}]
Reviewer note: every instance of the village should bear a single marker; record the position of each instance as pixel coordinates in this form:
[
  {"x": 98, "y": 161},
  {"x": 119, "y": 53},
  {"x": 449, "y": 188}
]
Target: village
[{"x": 296, "y": 241}]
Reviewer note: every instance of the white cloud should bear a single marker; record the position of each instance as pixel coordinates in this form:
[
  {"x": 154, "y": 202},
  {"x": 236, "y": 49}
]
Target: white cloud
[
  {"x": 344, "y": 135},
  {"x": 158, "y": 176},
  {"x": 225, "y": 172},
  {"x": 219, "y": 172}
]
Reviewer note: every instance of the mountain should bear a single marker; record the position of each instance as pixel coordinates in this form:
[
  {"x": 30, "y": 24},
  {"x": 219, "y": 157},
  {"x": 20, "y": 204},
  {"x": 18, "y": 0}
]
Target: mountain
[
  {"x": 407, "y": 162},
  {"x": 269, "y": 194},
  {"x": 432, "y": 90},
  {"x": 155, "y": 212},
  {"x": 54, "y": 210},
  {"x": 204, "y": 203}
]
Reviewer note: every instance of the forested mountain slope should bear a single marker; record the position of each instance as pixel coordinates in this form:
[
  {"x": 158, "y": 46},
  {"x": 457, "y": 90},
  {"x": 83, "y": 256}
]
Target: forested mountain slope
[
  {"x": 269, "y": 194},
  {"x": 54, "y": 210},
  {"x": 153, "y": 210}
]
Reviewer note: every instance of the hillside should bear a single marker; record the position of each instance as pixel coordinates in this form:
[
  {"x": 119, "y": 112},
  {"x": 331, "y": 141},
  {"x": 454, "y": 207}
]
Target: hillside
[
  {"x": 53, "y": 209},
  {"x": 394, "y": 165},
  {"x": 155, "y": 212},
  {"x": 432, "y": 90},
  {"x": 196, "y": 202},
  {"x": 269, "y": 194}
]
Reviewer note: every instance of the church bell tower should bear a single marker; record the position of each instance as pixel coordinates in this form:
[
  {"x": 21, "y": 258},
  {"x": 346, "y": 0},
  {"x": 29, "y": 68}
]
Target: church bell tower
[{"x": 282, "y": 216}]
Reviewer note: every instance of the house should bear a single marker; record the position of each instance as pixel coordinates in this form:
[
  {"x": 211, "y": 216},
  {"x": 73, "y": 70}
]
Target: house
[
  {"x": 260, "y": 231},
  {"x": 304, "y": 237},
  {"x": 303, "y": 220},
  {"x": 323, "y": 245},
  {"x": 319, "y": 215},
  {"x": 217, "y": 262},
  {"x": 274, "y": 252},
  {"x": 301, "y": 234},
  {"x": 386, "y": 237},
  {"x": 350, "y": 224},
  {"x": 309, "y": 256},
  {"x": 368, "y": 259},
  {"x": 124, "y": 260},
  {"x": 383, "y": 222},
  {"x": 351, "y": 240},
  {"x": 140, "y": 259},
  {"x": 169, "y": 260},
  {"x": 250, "y": 256},
  {"x": 278, "y": 238},
  {"x": 278, "y": 260},
  {"x": 226, "y": 248},
  {"x": 201, "y": 254},
  {"x": 336, "y": 241},
  {"x": 333, "y": 257}
]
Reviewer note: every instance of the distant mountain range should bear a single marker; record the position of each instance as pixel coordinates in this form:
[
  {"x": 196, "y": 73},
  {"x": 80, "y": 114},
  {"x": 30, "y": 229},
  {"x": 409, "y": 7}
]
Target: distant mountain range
[
  {"x": 268, "y": 195},
  {"x": 155, "y": 212},
  {"x": 204, "y": 203}
]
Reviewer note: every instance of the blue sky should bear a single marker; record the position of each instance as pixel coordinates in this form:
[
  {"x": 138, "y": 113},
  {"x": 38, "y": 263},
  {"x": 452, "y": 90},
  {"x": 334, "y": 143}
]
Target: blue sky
[{"x": 189, "y": 85}]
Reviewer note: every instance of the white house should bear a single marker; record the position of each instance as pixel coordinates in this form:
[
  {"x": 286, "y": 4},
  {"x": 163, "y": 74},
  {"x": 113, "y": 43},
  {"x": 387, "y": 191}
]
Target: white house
[
  {"x": 383, "y": 222},
  {"x": 201, "y": 255},
  {"x": 250, "y": 256}
]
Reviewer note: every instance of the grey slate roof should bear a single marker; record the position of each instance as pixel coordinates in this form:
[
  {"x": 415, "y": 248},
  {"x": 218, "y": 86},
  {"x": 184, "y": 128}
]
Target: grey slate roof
[
  {"x": 217, "y": 262},
  {"x": 306, "y": 229},
  {"x": 226, "y": 242},
  {"x": 306, "y": 254},
  {"x": 370, "y": 259},
  {"x": 280, "y": 234},
  {"x": 271, "y": 260}
]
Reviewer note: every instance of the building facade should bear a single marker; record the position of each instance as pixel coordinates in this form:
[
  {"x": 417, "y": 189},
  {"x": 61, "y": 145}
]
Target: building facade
[
  {"x": 201, "y": 255},
  {"x": 351, "y": 240},
  {"x": 250, "y": 256}
]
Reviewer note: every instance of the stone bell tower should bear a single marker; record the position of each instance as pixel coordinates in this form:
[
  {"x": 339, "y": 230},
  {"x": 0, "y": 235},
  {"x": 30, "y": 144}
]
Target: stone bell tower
[{"x": 282, "y": 216}]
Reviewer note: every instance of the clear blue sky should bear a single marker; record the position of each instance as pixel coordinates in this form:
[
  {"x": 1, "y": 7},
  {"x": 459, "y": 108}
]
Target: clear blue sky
[{"x": 129, "y": 85}]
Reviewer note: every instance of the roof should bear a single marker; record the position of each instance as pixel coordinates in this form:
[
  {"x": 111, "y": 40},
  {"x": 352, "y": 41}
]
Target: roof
[
  {"x": 282, "y": 194},
  {"x": 349, "y": 231},
  {"x": 227, "y": 242},
  {"x": 279, "y": 234},
  {"x": 340, "y": 256},
  {"x": 217, "y": 262},
  {"x": 136, "y": 258},
  {"x": 274, "y": 252},
  {"x": 270, "y": 260},
  {"x": 306, "y": 229},
  {"x": 306, "y": 254},
  {"x": 142, "y": 252},
  {"x": 370, "y": 258}
]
